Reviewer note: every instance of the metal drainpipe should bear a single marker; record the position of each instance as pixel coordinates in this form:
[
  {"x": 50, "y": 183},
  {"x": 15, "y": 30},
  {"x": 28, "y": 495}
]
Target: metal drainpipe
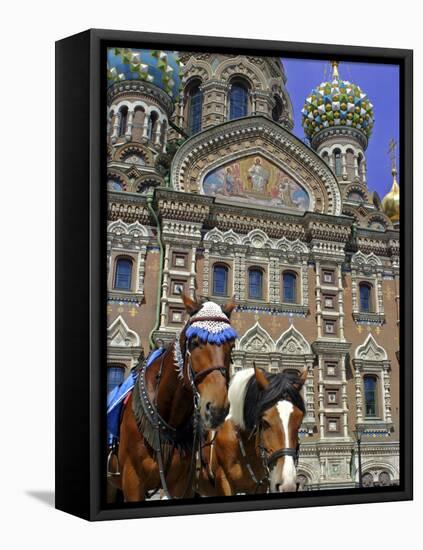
[{"x": 150, "y": 198}]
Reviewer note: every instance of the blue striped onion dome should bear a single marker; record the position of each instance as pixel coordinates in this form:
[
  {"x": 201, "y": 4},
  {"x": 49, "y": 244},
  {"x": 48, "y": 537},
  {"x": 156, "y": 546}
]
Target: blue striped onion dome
[
  {"x": 164, "y": 69},
  {"x": 337, "y": 103}
]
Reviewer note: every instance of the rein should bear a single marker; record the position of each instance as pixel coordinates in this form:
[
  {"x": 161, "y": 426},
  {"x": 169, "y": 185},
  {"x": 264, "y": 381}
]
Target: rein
[
  {"x": 268, "y": 460},
  {"x": 151, "y": 424}
]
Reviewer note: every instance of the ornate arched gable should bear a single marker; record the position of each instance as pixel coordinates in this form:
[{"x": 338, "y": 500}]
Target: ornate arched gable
[
  {"x": 257, "y": 340},
  {"x": 370, "y": 351},
  {"x": 361, "y": 260},
  {"x": 292, "y": 342},
  {"x": 257, "y": 239},
  {"x": 120, "y": 228},
  {"x": 119, "y": 335},
  {"x": 260, "y": 138}
]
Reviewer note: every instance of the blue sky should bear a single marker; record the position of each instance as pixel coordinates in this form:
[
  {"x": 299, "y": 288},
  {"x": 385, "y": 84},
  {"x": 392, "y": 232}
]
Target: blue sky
[{"x": 380, "y": 82}]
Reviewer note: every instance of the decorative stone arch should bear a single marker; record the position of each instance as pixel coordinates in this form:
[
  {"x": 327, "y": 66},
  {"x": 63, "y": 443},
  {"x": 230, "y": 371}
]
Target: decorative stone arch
[
  {"x": 196, "y": 68},
  {"x": 219, "y": 145},
  {"x": 257, "y": 239},
  {"x": 131, "y": 148},
  {"x": 114, "y": 174},
  {"x": 354, "y": 188},
  {"x": 123, "y": 344},
  {"x": 256, "y": 340},
  {"x": 377, "y": 217},
  {"x": 134, "y": 230},
  {"x": 292, "y": 342},
  {"x": 143, "y": 184},
  {"x": 360, "y": 260},
  {"x": 217, "y": 236},
  {"x": 370, "y": 351},
  {"x": 375, "y": 468},
  {"x": 289, "y": 247},
  {"x": 371, "y": 359},
  {"x": 240, "y": 67},
  {"x": 306, "y": 470}
]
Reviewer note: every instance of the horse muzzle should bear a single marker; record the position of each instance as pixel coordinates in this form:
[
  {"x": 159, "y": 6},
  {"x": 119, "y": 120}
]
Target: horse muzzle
[{"x": 213, "y": 417}]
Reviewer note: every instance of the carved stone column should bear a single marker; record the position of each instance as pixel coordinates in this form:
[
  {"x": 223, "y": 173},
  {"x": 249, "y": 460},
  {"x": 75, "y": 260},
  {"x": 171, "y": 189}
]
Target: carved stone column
[{"x": 165, "y": 287}]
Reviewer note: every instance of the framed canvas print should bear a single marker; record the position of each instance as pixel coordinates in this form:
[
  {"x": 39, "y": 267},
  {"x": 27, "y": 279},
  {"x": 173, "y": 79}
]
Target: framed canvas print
[{"x": 234, "y": 275}]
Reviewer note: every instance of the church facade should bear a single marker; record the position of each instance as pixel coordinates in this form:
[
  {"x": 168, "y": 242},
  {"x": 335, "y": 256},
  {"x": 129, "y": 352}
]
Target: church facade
[{"x": 210, "y": 193}]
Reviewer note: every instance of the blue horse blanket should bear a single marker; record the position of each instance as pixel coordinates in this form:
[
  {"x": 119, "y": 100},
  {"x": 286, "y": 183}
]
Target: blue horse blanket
[{"x": 116, "y": 398}]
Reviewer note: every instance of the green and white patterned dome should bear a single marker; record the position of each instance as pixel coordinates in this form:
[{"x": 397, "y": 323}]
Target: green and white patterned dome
[
  {"x": 158, "y": 67},
  {"x": 337, "y": 103}
]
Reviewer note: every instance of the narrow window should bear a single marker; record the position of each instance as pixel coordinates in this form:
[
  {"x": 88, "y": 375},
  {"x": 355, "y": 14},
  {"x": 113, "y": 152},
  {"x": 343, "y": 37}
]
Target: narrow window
[
  {"x": 123, "y": 119},
  {"x": 289, "y": 287},
  {"x": 151, "y": 128},
  {"x": 365, "y": 297},
  {"x": 220, "y": 280},
  {"x": 370, "y": 385},
  {"x": 115, "y": 376},
  {"x": 238, "y": 101},
  {"x": 123, "y": 274},
  {"x": 338, "y": 163},
  {"x": 195, "y": 109},
  {"x": 255, "y": 284}
]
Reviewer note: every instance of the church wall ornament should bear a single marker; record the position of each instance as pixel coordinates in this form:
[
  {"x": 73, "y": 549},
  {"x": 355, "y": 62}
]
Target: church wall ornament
[{"x": 201, "y": 152}]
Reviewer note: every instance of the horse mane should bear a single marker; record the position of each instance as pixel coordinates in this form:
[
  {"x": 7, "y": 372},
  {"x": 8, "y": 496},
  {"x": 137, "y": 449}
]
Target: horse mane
[{"x": 248, "y": 402}]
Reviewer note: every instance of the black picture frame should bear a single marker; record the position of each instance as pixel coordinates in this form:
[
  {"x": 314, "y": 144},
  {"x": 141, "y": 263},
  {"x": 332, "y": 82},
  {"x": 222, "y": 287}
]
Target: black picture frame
[{"x": 80, "y": 283}]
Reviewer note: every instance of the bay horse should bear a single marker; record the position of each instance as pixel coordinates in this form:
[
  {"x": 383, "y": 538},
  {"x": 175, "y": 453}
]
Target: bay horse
[
  {"x": 256, "y": 449},
  {"x": 180, "y": 395}
]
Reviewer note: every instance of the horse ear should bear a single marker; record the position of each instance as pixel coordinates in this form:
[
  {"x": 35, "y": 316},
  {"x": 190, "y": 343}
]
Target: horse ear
[
  {"x": 229, "y": 307},
  {"x": 301, "y": 379},
  {"x": 190, "y": 305},
  {"x": 262, "y": 381}
]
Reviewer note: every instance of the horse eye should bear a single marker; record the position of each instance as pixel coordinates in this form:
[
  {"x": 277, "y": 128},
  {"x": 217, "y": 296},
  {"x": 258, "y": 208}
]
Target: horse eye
[
  {"x": 265, "y": 424},
  {"x": 194, "y": 343}
]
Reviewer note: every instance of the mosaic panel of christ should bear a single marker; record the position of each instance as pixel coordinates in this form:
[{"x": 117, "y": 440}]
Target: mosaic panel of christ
[{"x": 257, "y": 181}]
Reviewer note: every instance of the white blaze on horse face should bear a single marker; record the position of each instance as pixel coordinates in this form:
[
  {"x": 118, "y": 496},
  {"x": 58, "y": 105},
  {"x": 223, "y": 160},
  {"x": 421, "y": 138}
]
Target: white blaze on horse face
[{"x": 289, "y": 474}]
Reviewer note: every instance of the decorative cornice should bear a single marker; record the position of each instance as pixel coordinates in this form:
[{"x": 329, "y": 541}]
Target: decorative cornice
[{"x": 151, "y": 91}]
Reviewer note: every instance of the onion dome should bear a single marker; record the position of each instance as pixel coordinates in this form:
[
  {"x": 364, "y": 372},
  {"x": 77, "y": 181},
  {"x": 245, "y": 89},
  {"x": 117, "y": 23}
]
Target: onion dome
[
  {"x": 155, "y": 66},
  {"x": 391, "y": 201},
  {"x": 337, "y": 103}
]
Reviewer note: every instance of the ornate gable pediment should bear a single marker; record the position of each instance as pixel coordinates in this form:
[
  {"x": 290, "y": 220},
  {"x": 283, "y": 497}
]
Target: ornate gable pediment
[
  {"x": 292, "y": 342},
  {"x": 119, "y": 335},
  {"x": 370, "y": 351},
  {"x": 256, "y": 161},
  {"x": 257, "y": 340}
]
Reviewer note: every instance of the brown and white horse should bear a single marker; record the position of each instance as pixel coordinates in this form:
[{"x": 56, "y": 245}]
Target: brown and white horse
[
  {"x": 180, "y": 394},
  {"x": 255, "y": 450}
]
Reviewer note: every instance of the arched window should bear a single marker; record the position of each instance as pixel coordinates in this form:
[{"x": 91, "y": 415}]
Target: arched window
[
  {"x": 255, "y": 283},
  {"x": 195, "y": 108},
  {"x": 367, "y": 480},
  {"x": 370, "y": 390},
  {"x": 220, "y": 280},
  {"x": 289, "y": 290},
  {"x": 123, "y": 119},
  {"x": 277, "y": 109},
  {"x": 115, "y": 376},
  {"x": 238, "y": 100},
  {"x": 152, "y": 124},
  {"x": 123, "y": 274},
  {"x": 338, "y": 162},
  {"x": 365, "y": 297}
]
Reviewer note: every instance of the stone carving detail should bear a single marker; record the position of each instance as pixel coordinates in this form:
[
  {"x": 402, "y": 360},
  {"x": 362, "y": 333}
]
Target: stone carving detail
[
  {"x": 370, "y": 351},
  {"x": 120, "y": 335},
  {"x": 292, "y": 342},
  {"x": 257, "y": 340}
]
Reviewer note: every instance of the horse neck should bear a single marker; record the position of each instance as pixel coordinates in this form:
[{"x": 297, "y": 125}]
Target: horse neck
[{"x": 174, "y": 398}]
